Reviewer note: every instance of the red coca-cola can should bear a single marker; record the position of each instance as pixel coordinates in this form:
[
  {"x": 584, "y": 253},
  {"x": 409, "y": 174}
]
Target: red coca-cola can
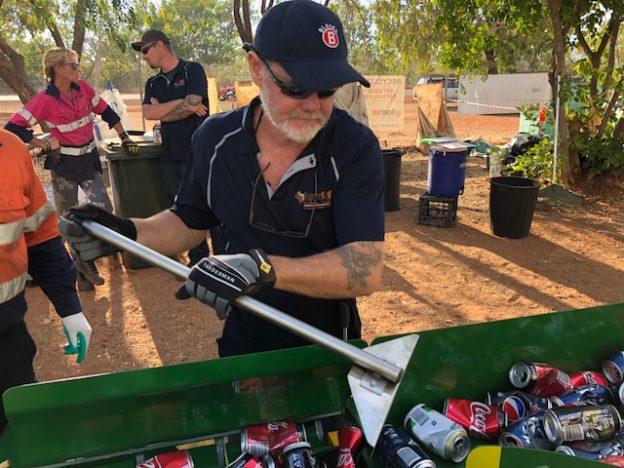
[
  {"x": 614, "y": 460},
  {"x": 585, "y": 378},
  {"x": 178, "y": 459},
  {"x": 350, "y": 439},
  {"x": 271, "y": 438},
  {"x": 480, "y": 420},
  {"x": 540, "y": 379},
  {"x": 249, "y": 461}
]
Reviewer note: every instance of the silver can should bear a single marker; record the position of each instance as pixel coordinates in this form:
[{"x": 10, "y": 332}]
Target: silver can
[
  {"x": 157, "y": 137},
  {"x": 435, "y": 431},
  {"x": 582, "y": 423}
]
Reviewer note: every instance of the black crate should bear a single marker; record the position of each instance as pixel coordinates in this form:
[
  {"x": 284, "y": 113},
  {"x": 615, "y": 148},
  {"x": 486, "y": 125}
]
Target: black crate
[{"x": 437, "y": 211}]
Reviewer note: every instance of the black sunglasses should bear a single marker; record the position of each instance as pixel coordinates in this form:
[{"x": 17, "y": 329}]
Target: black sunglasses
[
  {"x": 290, "y": 89},
  {"x": 74, "y": 65},
  {"x": 267, "y": 228},
  {"x": 145, "y": 49}
]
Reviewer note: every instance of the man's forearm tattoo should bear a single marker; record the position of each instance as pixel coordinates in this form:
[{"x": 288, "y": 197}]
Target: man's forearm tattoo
[
  {"x": 358, "y": 262},
  {"x": 182, "y": 110}
]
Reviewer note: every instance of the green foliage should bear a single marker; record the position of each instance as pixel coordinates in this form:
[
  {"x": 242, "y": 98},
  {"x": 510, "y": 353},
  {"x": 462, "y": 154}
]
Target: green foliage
[
  {"x": 599, "y": 155},
  {"x": 200, "y": 30},
  {"x": 364, "y": 53},
  {"x": 502, "y": 36},
  {"x": 537, "y": 162}
]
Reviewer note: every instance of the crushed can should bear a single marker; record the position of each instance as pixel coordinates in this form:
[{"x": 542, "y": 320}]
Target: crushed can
[
  {"x": 398, "y": 450},
  {"x": 539, "y": 379},
  {"x": 509, "y": 403},
  {"x": 582, "y": 423},
  {"x": 590, "y": 395},
  {"x": 298, "y": 455},
  {"x": 438, "y": 433},
  {"x": 613, "y": 368},
  {"x": 584, "y": 378},
  {"x": 481, "y": 421},
  {"x": 526, "y": 433},
  {"x": 177, "y": 459}
]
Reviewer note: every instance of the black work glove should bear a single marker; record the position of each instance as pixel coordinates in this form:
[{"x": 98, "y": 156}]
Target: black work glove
[
  {"x": 128, "y": 145},
  {"x": 86, "y": 246},
  {"x": 229, "y": 276}
]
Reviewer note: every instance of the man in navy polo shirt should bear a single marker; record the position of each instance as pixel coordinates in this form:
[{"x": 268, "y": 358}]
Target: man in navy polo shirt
[
  {"x": 177, "y": 96},
  {"x": 296, "y": 185}
]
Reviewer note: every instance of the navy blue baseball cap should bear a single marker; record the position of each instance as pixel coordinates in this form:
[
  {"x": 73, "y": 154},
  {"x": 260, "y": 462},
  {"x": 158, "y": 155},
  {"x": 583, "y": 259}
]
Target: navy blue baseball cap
[{"x": 307, "y": 40}]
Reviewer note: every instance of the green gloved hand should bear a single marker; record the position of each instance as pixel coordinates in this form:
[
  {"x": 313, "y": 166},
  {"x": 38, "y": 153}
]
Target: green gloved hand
[
  {"x": 78, "y": 333},
  {"x": 128, "y": 145}
]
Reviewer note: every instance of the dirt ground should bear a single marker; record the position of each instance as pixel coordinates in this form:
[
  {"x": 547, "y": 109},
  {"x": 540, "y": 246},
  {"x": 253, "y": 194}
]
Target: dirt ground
[{"x": 434, "y": 277}]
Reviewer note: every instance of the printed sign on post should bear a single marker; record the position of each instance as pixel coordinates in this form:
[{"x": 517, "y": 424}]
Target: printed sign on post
[{"x": 385, "y": 101}]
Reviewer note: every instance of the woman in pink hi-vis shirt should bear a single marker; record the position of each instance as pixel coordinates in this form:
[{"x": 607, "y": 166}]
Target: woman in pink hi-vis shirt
[{"x": 66, "y": 106}]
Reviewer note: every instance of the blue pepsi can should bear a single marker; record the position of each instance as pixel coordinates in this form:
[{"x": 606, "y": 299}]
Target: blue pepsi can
[
  {"x": 574, "y": 452},
  {"x": 526, "y": 433},
  {"x": 514, "y": 408},
  {"x": 532, "y": 403},
  {"x": 613, "y": 368},
  {"x": 584, "y": 396}
]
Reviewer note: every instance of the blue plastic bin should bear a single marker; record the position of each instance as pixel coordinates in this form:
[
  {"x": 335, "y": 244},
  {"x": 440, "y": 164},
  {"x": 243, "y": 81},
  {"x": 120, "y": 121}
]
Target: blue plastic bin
[{"x": 447, "y": 171}]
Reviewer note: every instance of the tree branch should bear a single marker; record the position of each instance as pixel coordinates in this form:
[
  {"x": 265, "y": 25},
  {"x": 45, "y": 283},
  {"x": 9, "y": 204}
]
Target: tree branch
[
  {"x": 247, "y": 18},
  {"x": 612, "y": 47},
  {"x": 584, "y": 44},
  {"x": 244, "y": 34},
  {"x": 618, "y": 131},
  {"x": 79, "y": 27},
  {"x": 609, "y": 111}
]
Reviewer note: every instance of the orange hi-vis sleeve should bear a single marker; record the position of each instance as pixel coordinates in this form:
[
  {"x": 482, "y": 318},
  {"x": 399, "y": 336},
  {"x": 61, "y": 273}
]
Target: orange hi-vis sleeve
[{"x": 26, "y": 216}]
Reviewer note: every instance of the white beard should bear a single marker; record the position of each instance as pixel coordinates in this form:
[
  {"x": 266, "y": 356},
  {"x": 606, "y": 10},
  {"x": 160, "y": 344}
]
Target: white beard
[{"x": 303, "y": 134}]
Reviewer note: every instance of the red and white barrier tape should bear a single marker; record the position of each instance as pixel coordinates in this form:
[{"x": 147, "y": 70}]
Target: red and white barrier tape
[{"x": 479, "y": 104}]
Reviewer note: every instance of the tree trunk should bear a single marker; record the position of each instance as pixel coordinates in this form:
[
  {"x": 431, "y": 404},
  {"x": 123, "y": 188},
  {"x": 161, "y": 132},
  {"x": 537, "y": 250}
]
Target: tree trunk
[
  {"x": 490, "y": 61},
  {"x": 13, "y": 73},
  {"x": 571, "y": 170},
  {"x": 245, "y": 33},
  {"x": 79, "y": 27}
]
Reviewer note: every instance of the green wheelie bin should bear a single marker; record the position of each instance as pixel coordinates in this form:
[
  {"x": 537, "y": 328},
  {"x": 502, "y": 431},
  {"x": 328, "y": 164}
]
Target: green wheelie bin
[
  {"x": 118, "y": 419},
  {"x": 136, "y": 182}
]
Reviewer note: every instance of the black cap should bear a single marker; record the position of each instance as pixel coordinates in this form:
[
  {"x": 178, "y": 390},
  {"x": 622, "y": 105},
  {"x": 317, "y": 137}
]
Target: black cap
[
  {"x": 307, "y": 40},
  {"x": 151, "y": 35}
]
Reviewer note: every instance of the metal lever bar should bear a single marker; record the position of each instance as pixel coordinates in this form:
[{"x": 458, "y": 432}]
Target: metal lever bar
[{"x": 310, "y": 333}]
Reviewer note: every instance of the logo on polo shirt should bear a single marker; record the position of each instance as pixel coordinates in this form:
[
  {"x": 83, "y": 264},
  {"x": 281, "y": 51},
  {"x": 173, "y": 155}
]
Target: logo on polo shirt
[
  {"x": 316, "y": 201},
  {"x": 180, "y": 82},
  {"x": 329, "y": 34}
]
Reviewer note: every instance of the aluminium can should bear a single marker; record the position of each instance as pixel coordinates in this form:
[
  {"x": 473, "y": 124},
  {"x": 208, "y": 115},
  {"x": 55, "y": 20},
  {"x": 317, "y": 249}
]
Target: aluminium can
[{"x": 438, "y": 433}]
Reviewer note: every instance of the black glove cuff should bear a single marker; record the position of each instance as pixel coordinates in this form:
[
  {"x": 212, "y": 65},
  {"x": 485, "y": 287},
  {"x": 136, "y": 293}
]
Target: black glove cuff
[
  {"x": 127, "y": 228},
  {"x": 265, "y": 268},
  {"x": 124, "y": 136}
]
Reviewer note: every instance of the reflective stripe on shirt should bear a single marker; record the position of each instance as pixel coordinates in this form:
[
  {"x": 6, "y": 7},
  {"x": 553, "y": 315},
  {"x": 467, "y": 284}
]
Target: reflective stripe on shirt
[
  {"x": 70, "y": 127},
  {"x": 13, "y": 287},
  {"x": 27, "y": 115},
  {"x": 73, "y": 151},
  {"x": 11, "y": 232},
  {"x": 95, "y": 99},
  {"x": 33, "y": 222}
]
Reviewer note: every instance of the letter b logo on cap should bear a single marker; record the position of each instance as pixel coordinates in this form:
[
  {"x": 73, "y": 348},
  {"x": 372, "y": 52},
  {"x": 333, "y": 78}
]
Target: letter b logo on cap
[{"x": 329, "y": 33}]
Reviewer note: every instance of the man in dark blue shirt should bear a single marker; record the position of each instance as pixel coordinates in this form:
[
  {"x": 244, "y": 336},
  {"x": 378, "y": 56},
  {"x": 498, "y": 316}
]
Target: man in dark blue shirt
[
  {"x": 296, "y": 185},
  {"x": 177, "y": 96}
]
